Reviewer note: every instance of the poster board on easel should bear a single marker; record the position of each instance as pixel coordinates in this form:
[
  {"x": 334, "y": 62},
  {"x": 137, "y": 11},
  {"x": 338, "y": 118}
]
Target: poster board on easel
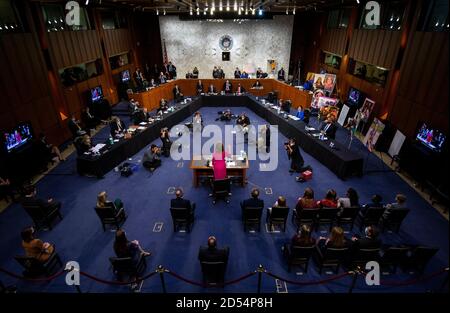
[
  {"x": 396, "y": 143},
  {"x": 343, "y": 115},
  {"x": 375, "y": 130}
]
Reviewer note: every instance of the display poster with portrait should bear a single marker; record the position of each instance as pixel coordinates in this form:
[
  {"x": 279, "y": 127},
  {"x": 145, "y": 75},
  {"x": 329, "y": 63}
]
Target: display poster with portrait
[
  {"x": 315, "y": 98},
  {"x": 325, "y": 101},
  {"x": 318, "y": 81},
  {"x": 375, "y": 130},
  {"x": 366, "y": 110},
  {"x": 329, "y": 82}
]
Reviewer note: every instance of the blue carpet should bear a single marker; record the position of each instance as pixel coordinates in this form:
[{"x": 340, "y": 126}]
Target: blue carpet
[{"x": 79, "y": 236}]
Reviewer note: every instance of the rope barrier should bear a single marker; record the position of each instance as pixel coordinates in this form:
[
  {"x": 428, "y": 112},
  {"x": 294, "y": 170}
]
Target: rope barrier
[
  {"x": 413, "y": 281},
  {"x": 304, "y": 283},
  {"x": 119, "y": 283},
  {"x": 50, "y": 278}
]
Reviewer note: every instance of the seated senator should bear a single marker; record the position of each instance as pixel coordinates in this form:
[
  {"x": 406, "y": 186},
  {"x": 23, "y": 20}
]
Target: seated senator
[
  {"x": 227, "y": 87},
  {"x": 213, "y": 254},
  {"x": 240, "y": 89},
  {"x": 117, "y": 126},
  {"x": 212, "y": 90},
  {"x": 257, "y": 85},
  {"x": 163, "y": 105},
  {"x": 177, "y": 94},
  {"x": 199, "y": 88},
  {"x": 34, "y": 247}
]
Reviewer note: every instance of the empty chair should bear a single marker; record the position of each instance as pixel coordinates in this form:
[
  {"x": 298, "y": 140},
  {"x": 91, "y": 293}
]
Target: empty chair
[
  {"x": 393, "y": 257},
  {"x": 221, "y": 190},
  {"x": 127, "y": 267},
  {"x": 362, "y": 256},
  {"x": 182, "y": 217},
  {"x": 371, "y": 216},
  {"x": 33, "y": 267},
  {"x": 111, "y": 217},
  {"x": 419, "y": 258},
  {"x": 213, "y": 272},
  {"x": 305, "y": 216},
  {"x": 348, "y": 216},
  {"x": 394, "y": 219},
  {"x": 331, "y": 257},
  {"x": 298, "y": 256},
  {"x": 43, "y": 217},
  {"x": 251, "y": 216},
  {"x": 277, "y": 216},
  {"x": 326, "y": 216}
]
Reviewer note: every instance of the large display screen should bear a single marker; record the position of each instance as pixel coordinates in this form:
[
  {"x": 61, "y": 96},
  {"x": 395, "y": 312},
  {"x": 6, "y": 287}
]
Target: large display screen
[{"x": 17, "y": 137}]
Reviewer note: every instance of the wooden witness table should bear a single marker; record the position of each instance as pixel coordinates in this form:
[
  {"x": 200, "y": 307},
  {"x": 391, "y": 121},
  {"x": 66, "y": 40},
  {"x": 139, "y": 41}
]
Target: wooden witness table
[{"x": 235, "y": 168}]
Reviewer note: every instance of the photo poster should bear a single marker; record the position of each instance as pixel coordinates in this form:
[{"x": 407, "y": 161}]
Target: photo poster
[
  {"x": 318, "y": 81},
  {"x": 325, "y": 101},
  {"x": 315, "y": 98},
  {"x": 375, "y": 130},
  {"x": 343, "y": 115},
  {"x": 366, "y": 110},
  {"x": 271, "y": 66},
  {"x": 310, "y": 76},
  {"x": 396, "y": 143},
  {"x": 329, "y": 83}
]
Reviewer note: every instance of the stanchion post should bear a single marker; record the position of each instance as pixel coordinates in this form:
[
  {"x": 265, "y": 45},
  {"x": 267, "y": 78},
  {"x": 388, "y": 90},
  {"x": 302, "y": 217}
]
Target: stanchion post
[
  {"x": 355, "y": 274},
  {"x": 445, "y": 282},
  {"x": 161, "y": 271},
  {"x": 260, "y": 271},
  {"x": 78, "y": 289}
]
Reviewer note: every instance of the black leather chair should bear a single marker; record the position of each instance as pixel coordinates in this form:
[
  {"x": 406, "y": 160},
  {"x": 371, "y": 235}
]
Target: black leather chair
[
  {"x": 213, "y": 272},
  {"x": 371, "y": 216},
  {"x": 221, "y": 190},
  {"x": 298, "y": 256},
  {"x": 277, "y": 216},
  {"x": 419, "y": 258},
  {"x": 305, "y": 216},
  {"x": 182, "y": 217},
  {"x": 327, "y": 216},
  {"x": 43, "y": 217},
  {"x": 393, "y": 257},
  {"x": 362, "y": 256},
  {"x": 348, "y": 216},
  {"x": 331, "y": 257},
  {"x": 251, "y": 216},
  {"x": 126, "y": 267},
  {"x": 35, "y": 268},
  {"x": 111, "y": 217},
  {"x": 394, "y": 220}
]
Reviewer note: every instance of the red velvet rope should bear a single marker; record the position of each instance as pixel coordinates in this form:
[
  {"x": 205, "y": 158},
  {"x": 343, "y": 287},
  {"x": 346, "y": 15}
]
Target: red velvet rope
[
  {"x": 413, "y": 281},
  {"x": 119, "y": 283},
  {"x": 31, "y": 279},
  {"x": 304, "y": 283},
  {"x": 234, "y": 281}
]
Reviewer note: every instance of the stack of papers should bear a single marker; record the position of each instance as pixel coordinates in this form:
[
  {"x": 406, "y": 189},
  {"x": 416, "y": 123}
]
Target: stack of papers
[
  {"x": 142, "y": 124},
  {"x": 309, "y": 128},
  {"x": 97, "y": 147},
  {"x": 295, "y": 118},
  {"x": 142, "y": 128}
]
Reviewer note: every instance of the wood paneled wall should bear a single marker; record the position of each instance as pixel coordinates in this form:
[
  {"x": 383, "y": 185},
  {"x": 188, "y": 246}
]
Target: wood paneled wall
[
  {"x": 334, "y": 41},
  {"x": 25, "y": 87},
  {"x": 423, "y": 84},
  {"x": 117, "y": 41},
  {"x": 377, "y": 47},
  {"x": 74, "y": 47}
]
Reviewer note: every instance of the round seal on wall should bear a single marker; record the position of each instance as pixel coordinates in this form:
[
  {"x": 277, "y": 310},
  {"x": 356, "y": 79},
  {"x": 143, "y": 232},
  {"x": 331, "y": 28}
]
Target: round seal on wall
[{"x": 226, "y": 42}]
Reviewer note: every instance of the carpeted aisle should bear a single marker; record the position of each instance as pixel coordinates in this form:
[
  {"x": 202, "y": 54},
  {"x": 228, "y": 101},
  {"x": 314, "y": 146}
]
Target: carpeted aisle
[{"x": 79, "y": 236}]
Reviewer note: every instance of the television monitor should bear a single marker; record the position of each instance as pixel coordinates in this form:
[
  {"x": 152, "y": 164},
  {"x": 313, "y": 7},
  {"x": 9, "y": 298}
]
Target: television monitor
[
  {"x": 125, "y": 76},
  {"x": 96, "y": 94},
  {"x": 430, "y": 137},
  {"x": 354, "y": 96},
  {"x": 17, "y": 137}
]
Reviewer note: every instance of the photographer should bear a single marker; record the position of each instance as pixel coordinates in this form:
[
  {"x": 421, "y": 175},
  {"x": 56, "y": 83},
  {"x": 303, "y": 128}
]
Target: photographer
[
  {"x": 293, "y": 151},
  {"x": 151, "y": 159},
  {"x": 166, "y": 143},
  {"x": 225, "y": 115}
]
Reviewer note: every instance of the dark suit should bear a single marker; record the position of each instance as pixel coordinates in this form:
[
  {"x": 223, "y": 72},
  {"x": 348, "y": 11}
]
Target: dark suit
[
  {"x": 252, "y": 203},
  {"x": 74, "y": 128},
  {"x": 237, "y": 74},
  {"x": 199, "y": 88},
  {"x": 243, "y": 121},
  {"x": 330, "y": 130},
  {"x": 207, "y": 254},
  {"x": 177, "y": 95},
  {"x": 367, "y": 243},
  {"x": 182, "y": 203},
  {"x": 230, "y": 87},
  {"x": 89, "y": 120},
  {"x": 242, "y": 89},
  {"x": 36, "y": 202},
  {"x": 213, "y": 89},
  {"x": 140, "y": 116},
  {"x": 115, "y": 128},
  {"x": 281, "y": 74}
]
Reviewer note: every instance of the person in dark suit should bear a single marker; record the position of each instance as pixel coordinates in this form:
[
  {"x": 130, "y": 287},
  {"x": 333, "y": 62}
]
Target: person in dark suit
[
  {"x": 281, "y": 74},
  {"x": 117, "y": 126},
  {"x": 259, "y": 73},
  {"x": 257, "y": 85},
  {"x": 376, "y": 203},
  {"x": 30, "y": 200},
  {"x": 211, "y": 89},
  {"x": 227, "y": 87},
  {"x": 89, "y": 120},
  {"x": 243, "y": 120},
  {"x": 329, "y": 127},
  {"x": 213, "y": 254},
  {"x": 237, "y": 73},
  {"x": 195, "y": 72},
  {"x": 400, "y": 203},
  {"x": 253, "y": 201},
  {"x": 240, "y": 89},
  {"x": 177, "y": 95},
  {"x": 139, "y": 77},
  {"x": 140, "y": 115},
  {"x": 215, "y": 72},
  {"x": 75, "y": 127},
  {"x": 294, "y": 155},
  {"x": 199, "y": 87},
  {"x": 369, "y": 241},
  {"x": 172, "y": 70},
  {"x": 220, "y": 72},
  {"x": 179, "y": 202}
]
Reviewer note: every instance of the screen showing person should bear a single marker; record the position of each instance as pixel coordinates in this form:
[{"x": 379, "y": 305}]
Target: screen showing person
[
  {"x": 17, "y": 137},
  {"x": 96, "y": 93},
  {"x": 125, "y": 76},
  {"x": 430, "y": 137},
  {"x": 354, "y": 96}
]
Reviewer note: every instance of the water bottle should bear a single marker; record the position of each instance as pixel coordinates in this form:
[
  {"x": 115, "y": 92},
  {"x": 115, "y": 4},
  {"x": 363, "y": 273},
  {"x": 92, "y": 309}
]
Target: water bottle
[{"x": 111, "y": 140}]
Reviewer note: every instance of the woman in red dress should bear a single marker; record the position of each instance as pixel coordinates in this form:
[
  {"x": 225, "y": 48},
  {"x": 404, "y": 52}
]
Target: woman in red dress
[{"x": 218, "y": 162}]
